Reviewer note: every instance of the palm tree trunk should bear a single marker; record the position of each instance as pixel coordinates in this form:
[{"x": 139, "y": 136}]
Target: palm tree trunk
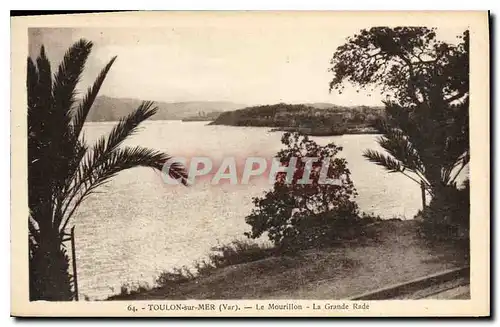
[{"x": 48, "y": 265}]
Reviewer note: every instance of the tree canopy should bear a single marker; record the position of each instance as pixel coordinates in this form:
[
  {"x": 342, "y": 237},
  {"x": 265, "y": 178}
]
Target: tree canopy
[
  {"x": 407, "y": 63},
  {"x": 298, "y": 214},
  {"x": 425, "y": 133}
]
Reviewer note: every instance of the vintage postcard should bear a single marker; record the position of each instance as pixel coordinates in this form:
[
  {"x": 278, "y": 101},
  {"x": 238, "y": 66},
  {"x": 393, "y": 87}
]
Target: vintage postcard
[{"x": 250, "y": 164}]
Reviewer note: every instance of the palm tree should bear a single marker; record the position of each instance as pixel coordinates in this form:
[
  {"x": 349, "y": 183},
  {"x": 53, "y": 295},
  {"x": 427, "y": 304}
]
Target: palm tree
[
  {"x": 63, "y": 170},
  {"x": 428, "y": 143}
]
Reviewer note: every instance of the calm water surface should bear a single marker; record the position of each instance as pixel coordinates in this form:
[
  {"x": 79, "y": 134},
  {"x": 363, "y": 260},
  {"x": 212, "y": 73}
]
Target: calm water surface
[{"x": 138, "y": 226}]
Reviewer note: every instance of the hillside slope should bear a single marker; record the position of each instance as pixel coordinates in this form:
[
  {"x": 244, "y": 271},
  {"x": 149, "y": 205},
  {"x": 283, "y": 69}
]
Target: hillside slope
[{"x": 112, "y": 109}]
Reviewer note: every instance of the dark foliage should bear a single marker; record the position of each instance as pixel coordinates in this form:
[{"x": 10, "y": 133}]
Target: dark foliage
[
  {"x": 52, "y": 282},
  {"x": 176, "y": 276},
  {"x": 407, "y": 62},
  {"x": 238, "y": 252},
  {"x": 428, "y": 144},
  {"x": 426, "y": 129},
  {"x": 307, "y": 119},
  {"x": 221, "y": 256},
  {"x": 447, "y": 216}
]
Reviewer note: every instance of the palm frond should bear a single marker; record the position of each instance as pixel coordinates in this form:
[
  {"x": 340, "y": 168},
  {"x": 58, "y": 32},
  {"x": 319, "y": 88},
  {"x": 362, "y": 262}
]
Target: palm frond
[
  {"x": 44, "y": 80},
  {"x": 393, "y": 166},
  {"x": 80, "y": 148},
  {"x": 105, "y": 146},
  {"x": 89, "y": 98},
  {"x": 62, "y": 169},
  {"x": 380, "y": 159},
  {"x": 398, "y": 146},
  {"x": 91, "y": 175},
  {"x": 39, "y": 84},
  {"x": 31, "y": 84},
  {"x": 65, "y": 81},
  {"x": 126, "y": 127},
  {"x": 96, "y": 161},
  {"x": 130, "y": 157},
  {"x": 40, "y": 173},
  {"x": 64, "y": 192},
  {"x": 33, "y": 99},
  {"x": 60, "y": 151}
]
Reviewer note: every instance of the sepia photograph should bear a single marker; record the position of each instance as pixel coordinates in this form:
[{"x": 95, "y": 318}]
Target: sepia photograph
[{"x": 251, "y": 163}]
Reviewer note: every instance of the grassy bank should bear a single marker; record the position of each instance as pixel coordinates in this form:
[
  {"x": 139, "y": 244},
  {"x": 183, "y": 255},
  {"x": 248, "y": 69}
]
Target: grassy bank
[{"x": 395, "y": 254}]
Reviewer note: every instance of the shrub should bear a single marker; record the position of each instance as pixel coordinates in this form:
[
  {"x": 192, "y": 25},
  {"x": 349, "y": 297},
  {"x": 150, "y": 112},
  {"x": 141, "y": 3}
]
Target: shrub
[
  {"x": 236, "y": 252},
  {"x": 204, "y": 267},
  {"x": 125, "y": 289},
  {"x": 369, "y": 218},
  {"x": 134, "y": 288},
  {"x": 447, "y": 216},
  {"x": 176, "y": 276},
  {"x": 301, "y": 215}
]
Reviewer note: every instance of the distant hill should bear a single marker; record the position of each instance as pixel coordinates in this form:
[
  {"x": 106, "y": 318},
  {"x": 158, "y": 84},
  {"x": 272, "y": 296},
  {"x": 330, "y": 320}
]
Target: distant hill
[
  {"x": 112, "y": 109},
  {"x": 320, "y": 119}
]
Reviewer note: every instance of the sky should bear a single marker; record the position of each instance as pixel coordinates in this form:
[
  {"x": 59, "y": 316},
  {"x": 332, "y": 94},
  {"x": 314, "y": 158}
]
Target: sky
[{"x": 244, "y": 63}]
